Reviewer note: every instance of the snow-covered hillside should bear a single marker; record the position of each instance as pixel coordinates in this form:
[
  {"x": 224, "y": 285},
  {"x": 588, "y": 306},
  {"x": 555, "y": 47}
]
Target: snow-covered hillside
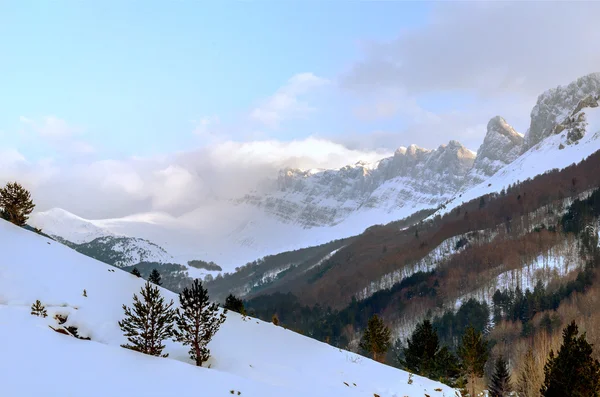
[
  {"x": 553, "y": 152},
  {"x": 249, "y": 356},
  {"x": 58, "y": 222}
]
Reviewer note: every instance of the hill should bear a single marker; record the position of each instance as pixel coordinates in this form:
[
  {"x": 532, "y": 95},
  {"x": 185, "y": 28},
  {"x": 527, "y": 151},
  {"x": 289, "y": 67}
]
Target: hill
[{"x": 249, "y": 356}]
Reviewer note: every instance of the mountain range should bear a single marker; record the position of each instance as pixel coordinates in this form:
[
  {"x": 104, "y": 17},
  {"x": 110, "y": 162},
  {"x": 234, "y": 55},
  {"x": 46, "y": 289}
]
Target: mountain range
[{"x": 303, "y": 208}]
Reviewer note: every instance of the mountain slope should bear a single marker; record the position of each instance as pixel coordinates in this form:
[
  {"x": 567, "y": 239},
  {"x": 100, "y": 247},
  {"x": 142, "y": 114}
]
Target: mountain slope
[
  {"x": 249, "y": 356},
  {"x": 312, "y": 207}
]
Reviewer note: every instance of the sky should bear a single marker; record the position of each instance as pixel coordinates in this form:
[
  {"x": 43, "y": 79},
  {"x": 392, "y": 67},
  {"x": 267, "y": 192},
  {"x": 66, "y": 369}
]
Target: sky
[{"x": 116, "y": 107}]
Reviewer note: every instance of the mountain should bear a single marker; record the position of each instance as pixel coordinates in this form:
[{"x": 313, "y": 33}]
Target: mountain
[
  {"x": 122, "y": 251},
  {"x": 501, "y": 146},
  {"x": 249, "y": 357},
  {"x": 413, "y": 178},
  {"x": 68, "y": 226},
  {"x": 303, "y": 208},
  {"x": 555, "y": 105}
]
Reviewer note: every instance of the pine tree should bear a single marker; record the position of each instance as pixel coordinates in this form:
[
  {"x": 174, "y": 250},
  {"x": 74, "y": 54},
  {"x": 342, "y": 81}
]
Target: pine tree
[
  {"x": 15, "y": 203},
  {"x": 376, "y": 339},
  {"x": 473, "y": 354},
  {"x": 572, "y": 372},
  {"x": 235, "y": 304},
  {"x": 37, "y": 309},
  {"x": 198, "y": 321},
  {"x": 500, "y": 383},
  {"x": 422, "y": 348},
  {"x": 154, "y": 277},
  {"x": 136, "y": 272},
  {"x": 149, "y": 323},
  {"x": 275, "y": 320}
]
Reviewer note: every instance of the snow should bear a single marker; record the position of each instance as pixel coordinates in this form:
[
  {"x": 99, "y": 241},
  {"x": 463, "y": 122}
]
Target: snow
[
  {"x": 542, "y": 157},
  {"x": 249, "y": 356},
  {"x": 68, "y": 226}
]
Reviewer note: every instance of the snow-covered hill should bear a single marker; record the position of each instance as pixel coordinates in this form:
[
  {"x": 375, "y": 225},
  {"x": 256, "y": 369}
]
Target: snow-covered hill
[
  {"x": 249, "y": 357},
  {"x": 68, "y": 226},
  {"x": 306, "y": 208}
]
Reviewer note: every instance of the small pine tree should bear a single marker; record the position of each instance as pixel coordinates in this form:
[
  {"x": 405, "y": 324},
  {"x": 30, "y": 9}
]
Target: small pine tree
[
  {"x": 198, "y": 321},
  {"x": 136, "y": 272},
  {"x": 275, "y": 320},
  {"x": 473, "y": 354},
  {"x": 500, "y": 383},
  {"x": 85, "y": 293},
  {"x": 37, "y": 309},
  {"x": 154, "y": 277},
  {"x": 572, "y": 372},
  {"x": 149, "y": 323},
  {"x": 15, "y": 203},
  {"x": 376, "y": 339},
  {"x": 235, "y": 304},
  {"x": 422, "y": 348}
]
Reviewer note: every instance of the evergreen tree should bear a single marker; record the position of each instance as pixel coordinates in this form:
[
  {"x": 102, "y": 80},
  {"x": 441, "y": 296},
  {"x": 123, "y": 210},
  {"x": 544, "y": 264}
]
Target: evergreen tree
[
  {"x": 376, "y": 338},
  {"x": 473, "y": 354},
  {"x": 500, "y": 383},
  {"x": 15, "y": 203},
  {"x": 154, "y": 277},
  {"x": 572, "y": 372},
  {"x": 198, "y": 321},
  {"x": 37, "y": 309},
  {"x": 422, "y": 348},
  {"x": 235, "y": 304},
  {"x": 149, "y": 323},
  {"x": 136, "y": 272}
]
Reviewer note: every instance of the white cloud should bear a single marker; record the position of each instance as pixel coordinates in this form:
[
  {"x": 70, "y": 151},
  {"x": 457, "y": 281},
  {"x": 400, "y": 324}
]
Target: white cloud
[
  {"x": 500, "y": 55},
  {"x": 57, "y": 133},
  {"x": 287, "y": 102},
  {"x": 176, "y": 183},
  {"x": 486, "y": 47},
  {"x": 51, "y": 127}
]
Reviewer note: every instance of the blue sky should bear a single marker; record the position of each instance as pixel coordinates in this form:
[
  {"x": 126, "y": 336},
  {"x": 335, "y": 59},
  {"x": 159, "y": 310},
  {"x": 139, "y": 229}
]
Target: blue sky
[
  {"x": 133, "y": 76},
  {"x": 158, "y": 105}
]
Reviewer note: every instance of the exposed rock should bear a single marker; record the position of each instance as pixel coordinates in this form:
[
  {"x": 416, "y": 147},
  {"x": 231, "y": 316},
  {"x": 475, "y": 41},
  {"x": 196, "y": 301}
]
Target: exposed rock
[
  {"x": 555, "y": 105},
  {"x": 412, "y": 176},
  {"x": 501, "y": 146}
]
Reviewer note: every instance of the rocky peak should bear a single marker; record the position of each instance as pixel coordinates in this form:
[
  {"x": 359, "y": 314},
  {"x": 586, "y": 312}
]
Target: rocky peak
[
  {"x": 555, "y": 106},
  {"x": 501, "y": 143}
]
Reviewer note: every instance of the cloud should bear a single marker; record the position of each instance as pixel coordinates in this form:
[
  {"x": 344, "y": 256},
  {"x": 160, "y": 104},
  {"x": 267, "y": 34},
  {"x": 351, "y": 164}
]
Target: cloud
[
  {"x": 51, "y": 127},
  {"x": 177, "y": 183},
  {"x": 287, "y": 102},
  {"x": 498, "y": 55},
  {"x": 57, "y": 133},
  {"x": 486, "y": 47}
]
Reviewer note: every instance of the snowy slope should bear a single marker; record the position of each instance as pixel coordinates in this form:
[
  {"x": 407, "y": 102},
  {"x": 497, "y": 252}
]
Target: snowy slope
[
  {"x": 542, "y": 157},
  {"x": 58, "y": 222},
  {"x": 249, "y": 356}
]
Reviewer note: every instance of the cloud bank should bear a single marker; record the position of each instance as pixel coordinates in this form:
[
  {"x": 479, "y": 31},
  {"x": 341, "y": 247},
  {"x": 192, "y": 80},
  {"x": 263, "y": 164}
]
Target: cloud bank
[{"x": 175, "y": 183}]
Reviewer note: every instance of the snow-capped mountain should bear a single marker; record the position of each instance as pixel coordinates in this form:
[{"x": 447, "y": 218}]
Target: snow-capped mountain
[
  {"x": 68, "y": 226},
  {"x": 248, "y": 357},
  {"x": 98, "y": 242},
  {"x": 123, "y": 251},
  {"x": 554, "y": 105},
  {"x": 501, "y": 146},
  {"x": 309, "y": 207},
  {"x": 412, "y": 177},
  {"x": 571, "y": 133}
]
